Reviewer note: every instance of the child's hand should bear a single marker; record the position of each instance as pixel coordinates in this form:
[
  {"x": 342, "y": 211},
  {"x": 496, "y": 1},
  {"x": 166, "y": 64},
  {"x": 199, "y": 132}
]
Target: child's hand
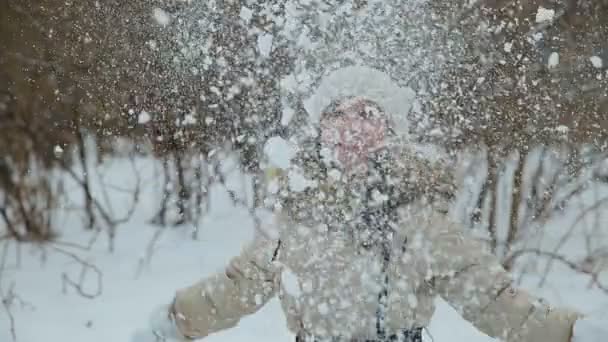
[
  {"x": 590, "y": 329},
  {"x": 161, "y": 328}
]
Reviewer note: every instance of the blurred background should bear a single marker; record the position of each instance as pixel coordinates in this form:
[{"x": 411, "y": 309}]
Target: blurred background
[{"x": 125, "y": 121}]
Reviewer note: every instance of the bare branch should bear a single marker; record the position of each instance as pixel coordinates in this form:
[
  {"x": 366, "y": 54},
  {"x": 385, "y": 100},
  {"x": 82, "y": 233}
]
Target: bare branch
[
  {"x": 6, "y": 302},
  {"x": 70, "y": 244},
  {"x": 86, "y": 267},
  {"x": 7, "y": 308},
  {"x": 578, "y": 267},
  {"x": 145, "y": 260},
  {"x": 135, "y": 192},
  {"x": 238, "y": 201}
]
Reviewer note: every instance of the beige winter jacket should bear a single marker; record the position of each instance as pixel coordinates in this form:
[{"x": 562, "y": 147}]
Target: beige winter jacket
[{"x": 329, "y": 287}]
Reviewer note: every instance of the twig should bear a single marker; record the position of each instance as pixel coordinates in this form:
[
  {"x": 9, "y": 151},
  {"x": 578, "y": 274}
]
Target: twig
[
  {"x": 571, "y": 229},
  {"x": 257, "y": 223},
  {"x": 107, "y": 218},
  {"x": 70, "y": 244},
  {"x": 136, "y": 194},
  {"x": 145, "y": 260},
  {"x": 86, "y": 267},
  {"x": 11, "y": 318},
  {"x": 3, "y": 260},
  {"x": 570, "y": 264},
  {"x": 12, "y": 231},
  {"x": 6, "y": 299}
]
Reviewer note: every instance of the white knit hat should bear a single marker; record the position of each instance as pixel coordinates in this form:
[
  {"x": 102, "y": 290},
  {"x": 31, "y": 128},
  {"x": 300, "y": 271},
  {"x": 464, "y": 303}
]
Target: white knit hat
[{"x": 363, "y": 82}]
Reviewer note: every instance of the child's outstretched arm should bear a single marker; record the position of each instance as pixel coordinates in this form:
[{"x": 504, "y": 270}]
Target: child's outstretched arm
[
  {"x": 474, "y": 282},
  {"x": 220, "y": 301}
]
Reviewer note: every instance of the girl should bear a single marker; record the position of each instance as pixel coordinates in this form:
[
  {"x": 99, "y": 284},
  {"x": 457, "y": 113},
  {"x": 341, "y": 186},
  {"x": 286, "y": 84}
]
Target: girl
[{"x": 363, "y": 247}]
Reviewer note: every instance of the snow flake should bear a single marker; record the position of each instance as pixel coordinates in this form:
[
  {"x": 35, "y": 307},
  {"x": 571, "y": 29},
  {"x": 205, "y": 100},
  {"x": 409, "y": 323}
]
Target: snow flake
[
  {"x": 562, "y": 129},
  {"x": 553, "y": 60},
  {"x": 596, "y": 61},
  {"x": 334, "y": 174},
  {"x": 508, "y": 47},
  {"x": 258, "y": 299},
  {"x": 412, "y": 300},
  {"x": 299, "y": 183},
  {"x": 323, "y": 308},
  {"x": 435, "y": 132},
  {"x": 288, "y": 114},
  {"x": 279, "y": 152},
  {"x": 161, "y": 17},
  {"x": 307, "y": 286},
  {"x": 303, "y": 231},
  {"x": 215, "y": 90},
  {"x": 233, "y": 91},
  {"x": 246, "y": 14},
  {"x": 291, "y": 283},
  {"x": 143, "y": 117},
  {"x": 58, "y": 150},
  {"x": 273, "y": 187},
  {"x": 152, "y": 44},
  {"x": 189, "y": 119},
  {"x": 345, "y": 303},
  {"x": 544, "y": 14},
  {"x": 265, "y": 44},
  {"x": 379, "y": 197}
]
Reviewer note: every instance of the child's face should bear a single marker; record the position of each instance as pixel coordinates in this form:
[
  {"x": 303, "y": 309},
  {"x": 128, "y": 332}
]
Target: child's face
[{"x": 351, "y": 136}]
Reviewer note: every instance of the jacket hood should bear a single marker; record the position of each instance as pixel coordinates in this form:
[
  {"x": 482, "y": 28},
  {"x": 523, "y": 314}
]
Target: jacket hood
[{"x": 356, "y": 82}]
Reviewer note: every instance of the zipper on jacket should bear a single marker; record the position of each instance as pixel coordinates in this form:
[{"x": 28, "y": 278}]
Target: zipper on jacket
[
  {"x": 383, "y": 295},
  {"x": 379, "y": 222},
  {"x": 275, "y": 254}
]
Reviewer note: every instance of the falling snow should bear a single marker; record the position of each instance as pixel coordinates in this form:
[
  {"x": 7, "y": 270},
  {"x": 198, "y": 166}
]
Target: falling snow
[
  {"x": 332, "y": 168},
  {"x": 265, "y": 44},
  {"x": 291, "y": 283},
  {"x": 544, "y": 15},
  {"x": 553, "y": 60},
  {"x": 161, "y": 17},
  {"x": 596, "y": 61},
  {"x": 143, "y": 117}
]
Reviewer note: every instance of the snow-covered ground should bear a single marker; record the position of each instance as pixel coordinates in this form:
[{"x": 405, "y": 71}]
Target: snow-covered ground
[{"x": 47, "y": 313}]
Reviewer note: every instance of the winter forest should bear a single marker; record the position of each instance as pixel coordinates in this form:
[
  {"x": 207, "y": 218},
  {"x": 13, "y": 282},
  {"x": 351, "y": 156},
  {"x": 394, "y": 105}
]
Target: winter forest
[{"x": 304, "y": 170}]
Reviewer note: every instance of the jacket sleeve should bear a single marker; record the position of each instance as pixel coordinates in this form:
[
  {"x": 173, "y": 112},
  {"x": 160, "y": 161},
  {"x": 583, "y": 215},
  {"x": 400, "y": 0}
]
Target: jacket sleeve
[
  {"x": 219, "y": 302},
  {"x": 474, "y": 282}
]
